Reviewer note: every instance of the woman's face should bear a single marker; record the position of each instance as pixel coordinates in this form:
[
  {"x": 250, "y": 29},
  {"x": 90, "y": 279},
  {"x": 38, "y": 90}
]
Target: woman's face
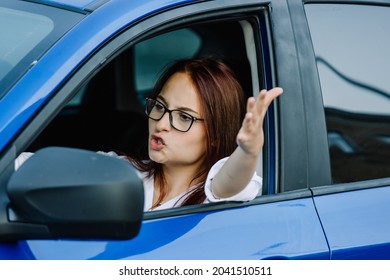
[{"x": 166, "y": 144}]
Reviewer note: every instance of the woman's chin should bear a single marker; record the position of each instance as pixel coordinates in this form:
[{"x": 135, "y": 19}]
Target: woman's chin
[{"x": 156, "y": 157}]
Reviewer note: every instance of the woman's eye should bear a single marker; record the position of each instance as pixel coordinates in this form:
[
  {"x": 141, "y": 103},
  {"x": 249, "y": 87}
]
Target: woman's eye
[
  {"x": 185, "y": 117},
  {"x": 159, "y": 107}
]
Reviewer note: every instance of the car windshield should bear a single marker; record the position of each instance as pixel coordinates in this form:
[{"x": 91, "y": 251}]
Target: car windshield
[{"x": 27, "y": 30}]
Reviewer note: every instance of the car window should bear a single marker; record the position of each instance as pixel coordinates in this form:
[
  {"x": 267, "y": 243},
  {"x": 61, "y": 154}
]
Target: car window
[
  {"x": 351, "y": 44},
  {"x": 107, "y": 112},
  {"x": 149, "y": 60},
  {"x": 29, "y": 29},
  {"x": 34, "y": 29}
]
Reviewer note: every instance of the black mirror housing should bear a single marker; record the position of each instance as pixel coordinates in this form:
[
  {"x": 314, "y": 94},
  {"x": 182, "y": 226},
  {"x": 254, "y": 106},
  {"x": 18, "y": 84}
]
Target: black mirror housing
[{"x": 72, "y": 193}]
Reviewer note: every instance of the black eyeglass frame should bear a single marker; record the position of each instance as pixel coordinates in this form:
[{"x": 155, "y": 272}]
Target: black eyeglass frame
[{"x": 193, "y": 119}]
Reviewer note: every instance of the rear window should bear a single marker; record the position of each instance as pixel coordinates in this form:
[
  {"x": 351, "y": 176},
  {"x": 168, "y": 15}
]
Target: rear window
[
  {"x": 352, "y": 44},
  {"x": 27, "y": 30}
]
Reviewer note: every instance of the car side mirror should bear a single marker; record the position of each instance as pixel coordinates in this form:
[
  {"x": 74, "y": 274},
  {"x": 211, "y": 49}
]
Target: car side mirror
[{"x": 72, "y": 193}]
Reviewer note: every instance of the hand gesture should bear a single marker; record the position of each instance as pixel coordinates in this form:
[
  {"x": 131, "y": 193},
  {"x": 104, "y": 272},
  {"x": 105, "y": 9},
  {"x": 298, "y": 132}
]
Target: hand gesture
[{"x": 250, "y": 138}]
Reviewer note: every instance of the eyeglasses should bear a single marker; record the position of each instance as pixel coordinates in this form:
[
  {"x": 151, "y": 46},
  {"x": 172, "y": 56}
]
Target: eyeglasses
[{"x": 178, "y": 119}]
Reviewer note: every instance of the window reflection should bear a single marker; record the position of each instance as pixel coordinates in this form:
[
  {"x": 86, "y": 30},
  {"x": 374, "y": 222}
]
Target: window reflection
[{"x": 351, "y": 44}]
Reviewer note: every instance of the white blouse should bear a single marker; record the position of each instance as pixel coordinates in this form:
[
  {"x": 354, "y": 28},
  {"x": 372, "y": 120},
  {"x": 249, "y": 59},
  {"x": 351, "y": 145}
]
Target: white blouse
[
  {"x": 253, "y": 188},
  {"x": 248, "y": 193}
]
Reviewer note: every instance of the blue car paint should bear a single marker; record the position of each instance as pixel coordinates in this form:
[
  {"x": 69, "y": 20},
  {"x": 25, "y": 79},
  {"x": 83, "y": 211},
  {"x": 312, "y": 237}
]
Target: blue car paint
[
  {"x": 270, "y": 231},
  {"x": 356, "y": 223}
]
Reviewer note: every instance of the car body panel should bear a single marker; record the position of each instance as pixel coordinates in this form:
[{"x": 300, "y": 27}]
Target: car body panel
[
  {"x": 293, "y": 226},
  {"x": 356, "y": 223}
]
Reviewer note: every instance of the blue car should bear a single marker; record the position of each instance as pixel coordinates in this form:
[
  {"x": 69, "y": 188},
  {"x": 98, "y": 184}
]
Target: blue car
[{"x": 74, "y": 75}]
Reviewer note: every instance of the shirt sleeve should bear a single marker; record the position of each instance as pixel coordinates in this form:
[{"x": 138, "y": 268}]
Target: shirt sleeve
[
  {"x": 252, "y": 190},
  {"x": 21, "y": 159}
]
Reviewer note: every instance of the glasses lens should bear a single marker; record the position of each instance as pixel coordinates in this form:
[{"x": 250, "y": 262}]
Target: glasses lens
[
  {"x": 149, "y": 106},
  {"x": 154, "y": 109},
  {"x": 181, "y": 120},
  {"x": 178, "y": 119}
]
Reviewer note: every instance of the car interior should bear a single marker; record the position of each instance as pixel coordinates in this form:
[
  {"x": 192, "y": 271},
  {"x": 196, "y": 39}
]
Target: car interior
[
  {"x": 358, "y": 142},
  {"x": 107, "y": 113}
]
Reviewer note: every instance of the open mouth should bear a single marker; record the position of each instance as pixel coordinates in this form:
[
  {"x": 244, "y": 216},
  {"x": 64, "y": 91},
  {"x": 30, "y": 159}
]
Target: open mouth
[{"x": 156, "y": 143}]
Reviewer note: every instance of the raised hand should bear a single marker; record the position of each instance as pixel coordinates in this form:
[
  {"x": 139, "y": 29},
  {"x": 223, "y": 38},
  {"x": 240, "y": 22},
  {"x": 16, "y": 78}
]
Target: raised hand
[{"x": 250, "y": 138}]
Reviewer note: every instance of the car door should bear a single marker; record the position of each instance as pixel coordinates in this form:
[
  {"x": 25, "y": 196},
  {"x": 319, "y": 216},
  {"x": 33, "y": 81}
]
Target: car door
[
  {"x": 351, "y": 44},
  {"x": 282, "y": 223}
]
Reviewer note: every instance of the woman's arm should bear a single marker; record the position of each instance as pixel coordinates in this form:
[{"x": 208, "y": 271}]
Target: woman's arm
[{"x": 238, "y": 170}]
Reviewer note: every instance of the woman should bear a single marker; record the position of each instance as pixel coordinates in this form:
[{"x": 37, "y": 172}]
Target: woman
[
  {"x": 195, "y": 120},
  {"x": 199, "y": 148}
]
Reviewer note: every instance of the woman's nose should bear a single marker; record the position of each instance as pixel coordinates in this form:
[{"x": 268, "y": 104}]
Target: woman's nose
[{"x": 163, "y": 123}]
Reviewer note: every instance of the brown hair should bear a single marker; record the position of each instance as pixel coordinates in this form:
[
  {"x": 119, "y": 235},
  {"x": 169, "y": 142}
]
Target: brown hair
[{"x": 222, "y": 107}]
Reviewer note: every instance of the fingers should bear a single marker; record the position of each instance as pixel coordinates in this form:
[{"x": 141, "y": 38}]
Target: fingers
[
  {"x": 257, "y": 108},
  {"x": 266, "y": 97},
  {"x": 248, "y": 121},
  {"x": 250, "y": 137},
  {"x": 250, "y": 105},
  {"x": 250, "y": 111}
]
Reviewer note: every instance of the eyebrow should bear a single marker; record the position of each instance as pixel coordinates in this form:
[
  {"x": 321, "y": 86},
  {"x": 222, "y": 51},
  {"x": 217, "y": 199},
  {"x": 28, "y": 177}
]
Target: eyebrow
[{"x": 186, "y": 109}]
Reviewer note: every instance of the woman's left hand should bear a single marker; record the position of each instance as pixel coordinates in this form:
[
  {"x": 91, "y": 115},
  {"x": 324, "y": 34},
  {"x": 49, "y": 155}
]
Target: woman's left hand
[{"x": 250, "y": 138}]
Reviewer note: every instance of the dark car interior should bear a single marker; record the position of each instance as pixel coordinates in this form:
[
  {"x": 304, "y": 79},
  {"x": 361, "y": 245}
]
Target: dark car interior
[
  {"x": 358, "y": 142},
  {"x": 107, "y": 113}
]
